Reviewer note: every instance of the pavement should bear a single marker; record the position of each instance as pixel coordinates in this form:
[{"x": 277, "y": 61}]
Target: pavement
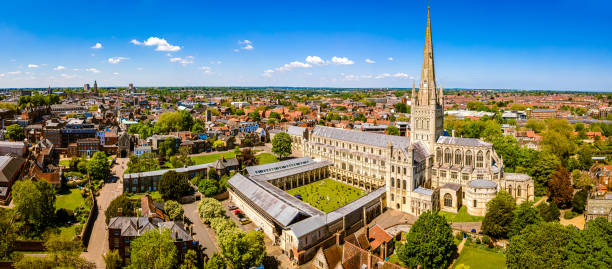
[
  {"x": 98, "y": 242},
  {"x": 201, "y": 232}
]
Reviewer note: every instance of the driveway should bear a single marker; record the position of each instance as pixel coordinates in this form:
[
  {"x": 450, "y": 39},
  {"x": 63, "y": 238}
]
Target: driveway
[{"x": 201, "y": 232}]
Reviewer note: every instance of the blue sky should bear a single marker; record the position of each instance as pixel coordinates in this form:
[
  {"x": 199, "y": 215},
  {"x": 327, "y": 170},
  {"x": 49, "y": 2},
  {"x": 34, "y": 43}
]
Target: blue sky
[{"x": 556, "y": 45}]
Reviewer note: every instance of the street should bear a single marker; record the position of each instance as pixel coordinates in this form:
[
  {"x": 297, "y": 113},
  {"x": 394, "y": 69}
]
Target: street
[{"x": 200, "y": 231}]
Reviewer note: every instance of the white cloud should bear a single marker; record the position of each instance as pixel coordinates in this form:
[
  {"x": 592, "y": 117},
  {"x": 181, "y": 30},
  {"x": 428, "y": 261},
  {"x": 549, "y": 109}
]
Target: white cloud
[
  {"x": 32, "y": 66},
  {"x": 215, "y": 62},
  {"x": 370, "y": 61},
  {"x": 93, "y": 70},
  {"x": 139, "y": 68},
  {"x": 184, "y": 61},
  {"x": 160, "y": 44},
  {"x": 66, "y": 76},
  {"x": 401, "y": 75},
  {"x": 206, "y": 69},
  {"x": 315, "y": 60},
  {"x": 247, "y": 44},
  {"x": 292, "y": 65},
  {"x": 59, "y": 67},
  {"x": 268, "y": 73},
  {"x": 236, "y": 50},
  {"x": 116, "y": 60},
  {"x": 352, "y": 77},
  {"x": 390, "y": 58},
  {"x": 97, "y": 46},
  {"x": 14, "y": 72},
  {"x": 115, "y": 73},
  {"x": 76, "y": 69},
  {"x": 2, "y": 75},
  {"x": 396, "y": 75},
  {"x": 341, "y": 61}
]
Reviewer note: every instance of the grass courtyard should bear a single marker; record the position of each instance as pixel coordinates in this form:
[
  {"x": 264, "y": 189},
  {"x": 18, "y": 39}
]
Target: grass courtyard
[
  {"x": 72, "y": 200},
  {"x": 209, "y": 158},
  {"x": 462, "y": 216},
  {"x": 136, "y": 196},
  {"x": 264, "y": 158},
  {"x": 476, "y": 257},
  {"x": 327, "y": 194}
]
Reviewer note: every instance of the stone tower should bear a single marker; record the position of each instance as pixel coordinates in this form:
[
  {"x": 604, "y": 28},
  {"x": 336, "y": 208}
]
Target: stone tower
[{"x": 427, "y": 108}]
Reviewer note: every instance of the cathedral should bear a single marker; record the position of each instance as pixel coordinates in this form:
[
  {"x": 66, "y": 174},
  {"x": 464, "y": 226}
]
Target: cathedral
[{"x": 426, "y": 171}]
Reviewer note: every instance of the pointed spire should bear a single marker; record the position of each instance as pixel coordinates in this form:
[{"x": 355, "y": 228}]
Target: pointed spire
[
  {"x": 428, "y": 77},
  {"x": 441, "y": 96},
  {"x": 413, "y": 96}
]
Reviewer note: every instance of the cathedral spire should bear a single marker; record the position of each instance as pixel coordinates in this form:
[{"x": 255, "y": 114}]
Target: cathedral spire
[{"x": 428, "y": 77}]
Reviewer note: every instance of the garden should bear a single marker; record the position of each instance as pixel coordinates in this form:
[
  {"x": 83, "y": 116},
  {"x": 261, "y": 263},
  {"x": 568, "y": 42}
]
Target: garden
[
  {"x": 461, "y": 216},
  {"x": 327, "y": 194}
]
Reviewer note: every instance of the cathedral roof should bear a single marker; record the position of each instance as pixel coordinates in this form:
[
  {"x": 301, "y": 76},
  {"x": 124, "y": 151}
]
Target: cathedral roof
[
  {"x": 482, "y": 183},
  {"x": 372, "y": 139},
  {"x": 461, "y": 141}
]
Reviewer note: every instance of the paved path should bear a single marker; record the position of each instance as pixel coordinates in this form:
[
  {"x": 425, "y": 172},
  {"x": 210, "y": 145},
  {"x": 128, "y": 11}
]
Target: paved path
[
  {"x": 542, "y": 199},
  {"x": 459, "y": 249},
  {"x": 98, "y": 242},
  {"x": 201, "y": 232}
]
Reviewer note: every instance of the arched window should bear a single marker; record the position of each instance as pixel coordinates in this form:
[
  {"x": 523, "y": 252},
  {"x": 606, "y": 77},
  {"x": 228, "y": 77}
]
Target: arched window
[
  {"x": 488, "y": 158},
  {"x": 448, "y": 156},
  {"x": 458, "y": 156},
  {"x": 448, "y": 200},
  {"x": 479, "y": 159},
  {"x": 398, "y": 183},
  {"x": 439, "y": 155},
  {"x": 404, "y": 184},
  {"x": 510, "y": 189},
  {"x": 518, "y": 192},
  {"x": 468, "y": 158},
  {"x": 392, "y": 183}
]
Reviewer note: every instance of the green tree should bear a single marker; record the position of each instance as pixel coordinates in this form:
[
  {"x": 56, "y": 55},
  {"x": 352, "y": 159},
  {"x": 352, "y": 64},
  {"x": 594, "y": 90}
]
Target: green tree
[
  {"x": 167, "y": 148},
  {"x": 8, "y": 232},
  {"x": 191, "y": 260},
  {"x": 400, "y": 108},
  {"x": 212, "y": 174},
  {"x": 219, "y": 145},
  {"x": 536, "y": 125},
  {"x": 210, "y": 208},
  {"x": 174, "y": 185},
  {"x": 216, "y": 262},
  {"x": 98, "y": 167},
  {"x": 524, "y": 215},
  {"x": 208, "y": 187},
  {"x": 429, "y": 243},
  {"x": 247, "y": 157},
  {"x": 539, "y": 246},
  {"x": 35, "y": 202},
  {"x": 121, "y": 202},
  {"x": 243, "y": 250},
  {"x": 174, "y": 210},
  {"x": 560, "y": 190},
  {"x": 549, "y": 212},
  {"x": 591, "y": 247},
  {"x": 153, "y": 249},
  {"x": 579, "y": 201},
  {"x": 112, "y": 260},
  {"x": 542, "y": 169},
  {"x": 392, "y": 130},
  {"x": 15, "y": 132},
  {"x": 281, "y": 145},
  {"x": 254, "y": 116},
  {"x": 499, "y": 216}
]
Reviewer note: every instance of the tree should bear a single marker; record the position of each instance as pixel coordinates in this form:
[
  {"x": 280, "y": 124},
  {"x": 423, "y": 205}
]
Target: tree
[
  {"x": 66, "y": 253},
  {"x": 499, "y": 216},
  {"x": 8, "y": 232},
  {"x": 243, "y": 250},
  {"x": 585, "y": 157},
  {"x": 174, "y": 185},
  {"x": 35, "y": 202},
  {"x": 210, "y": 208},
  {"x": 591, "y": 247},
  {"x": 542, "y": 169},
  {"x": 392, "y": 130},
  {"x": 429, "y": 243},
  {"x": 247, "y": 158},
  {"x": 191, "y": 260},
  {"x": 216, "y": 262},
  {"x": 212, "y": 173},
  {"x": 218, "y": 144},
  {"x": 579, "y": 201},
  {"x": 121, "y": 202},
  {"x": 208, "y": 187},
  {"x": 400, "y": 108},
  {"x": 560, "y": 190},
  {"x": 174, "y": 210},
  {"x": 539, "y": 246},
  {"x": 281, "y": 145},
  {"x": 167, "y": 148},
  {"x": 15, "y": 132},
  {"x": 254, "y": 116},
  {"x": 98, "y": 167},
  {"x": 112, "y": 259},
  {"x": 143, "y": 163},
  {"x": 198, "y": 127},
  {"x": 549, "y": 212},
  {"x": 182, "y": 159},
  {"x": 524, "y": 215},
  {"x": 73, "y": 163},
  {"x": 536, "y": 125},
  {"x": 153, "y": 249},
  {"x": 582, "y": 180}
]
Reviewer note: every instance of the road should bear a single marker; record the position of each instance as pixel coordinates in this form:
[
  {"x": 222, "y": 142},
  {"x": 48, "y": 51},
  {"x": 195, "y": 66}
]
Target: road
[
  {"x": 200, "y": 231},
  {"x": 98, "y": 242}
]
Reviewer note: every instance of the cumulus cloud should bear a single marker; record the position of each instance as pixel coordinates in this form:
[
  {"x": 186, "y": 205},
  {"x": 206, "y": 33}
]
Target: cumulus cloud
[
  {"x": 59, "y": 67},
  {"x": 246, "y": 44},
  {"x": 370, "y": 61},
  {"x": 116, "y": 60},
  {"x": 206, "y": 69},
  {"x": 184, "y": 61},
  {"x": 93, "y": 70},
  {"x": 97, "y": 46},
  {"x": 14, "y": 72},
  {"x": 32, "y": 66},
  {"x": 292, "y": 65},
  {"x": 390, "y": 58},
  {"x": 268, "y": 73},
  {"x": 341, "y": 61},
  {"x": 396, "y": 75},
  {"x": 315, "y": 60},
  {"x": 160, "y": 44},
  {"x": 115, "y": 73}
]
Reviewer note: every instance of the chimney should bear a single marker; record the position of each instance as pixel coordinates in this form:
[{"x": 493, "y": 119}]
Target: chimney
[{"x": 453, "y": 133}]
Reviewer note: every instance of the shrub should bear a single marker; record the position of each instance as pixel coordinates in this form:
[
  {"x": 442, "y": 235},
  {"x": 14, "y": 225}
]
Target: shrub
[
  {"x": 459, "y": 236},
  {"x": 477, "y": 241},
  {"x": 569, "y": 214},
  {"x": 486, "y": 240}
]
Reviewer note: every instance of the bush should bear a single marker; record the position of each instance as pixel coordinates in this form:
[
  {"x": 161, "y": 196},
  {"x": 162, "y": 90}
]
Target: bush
[
  {"x": 486, "y": 240},
  {"x": 459, "y": 236},
  {"x": 579, "y": 201},
  {"x": 477, "y": 241},
  {"x": 569, "y": 214}
]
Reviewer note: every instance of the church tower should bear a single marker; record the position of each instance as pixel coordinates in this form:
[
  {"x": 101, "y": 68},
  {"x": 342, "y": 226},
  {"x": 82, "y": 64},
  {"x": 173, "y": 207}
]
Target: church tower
[{"x": 427, "y": 108}]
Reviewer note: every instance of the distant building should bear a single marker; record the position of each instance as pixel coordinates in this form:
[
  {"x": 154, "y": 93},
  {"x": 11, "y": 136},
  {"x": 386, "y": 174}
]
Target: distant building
[
  {"x": 86, "y": 87},
  {"x": 542, "y": 114},
  {"x": 10, "y": 167},
  {"x": 18, "y": 148}
]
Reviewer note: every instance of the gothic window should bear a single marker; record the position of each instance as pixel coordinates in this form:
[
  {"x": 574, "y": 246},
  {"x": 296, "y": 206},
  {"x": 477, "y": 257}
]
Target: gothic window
[
  {"x": 398, "y": 183},
  {"x": 458, "y": 157},
  {"x": 448, "y": 156},
  {"x": 448, "y": 200},
  {"x": 518, "y": 192},
  {"x": 475, "y": 202},
  {"x": 392, "y": 183},
  {"x": 404, "y": 184},
  {"x": 479, "y": 160},
  {"x": 468, "y": 158},
  {"x": 439, "y": 155},
  {"x": 488, "y": 158}
]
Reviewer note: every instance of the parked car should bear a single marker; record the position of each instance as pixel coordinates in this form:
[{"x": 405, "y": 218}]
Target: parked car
[
  {"x": 244, "y": 221},
  {"x": 237, "y": 212},
  {"x": 232, "y": 207}
]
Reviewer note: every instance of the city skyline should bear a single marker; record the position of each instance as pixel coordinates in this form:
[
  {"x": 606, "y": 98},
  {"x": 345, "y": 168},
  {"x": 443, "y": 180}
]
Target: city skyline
[{"x": 541, "y": 46}]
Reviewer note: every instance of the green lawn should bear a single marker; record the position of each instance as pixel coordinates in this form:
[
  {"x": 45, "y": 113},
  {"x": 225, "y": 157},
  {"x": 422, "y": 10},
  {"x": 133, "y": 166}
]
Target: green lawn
[
  {"x": 68, "y": 232},
  {"x": 136, "y": 196},
  {"x": 212, "y": 157},
  {"x": 65, "y": 163},
  {"x": 265, "y": 158},
  {"x": 327, "y": 194},
  {"x": 480, "y": 258},
  {"x": 72, "y": 200},
  {"x": 462, "y": 216}
]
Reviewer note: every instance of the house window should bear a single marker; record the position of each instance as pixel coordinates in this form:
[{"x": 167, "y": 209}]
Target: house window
[
  {"x": 442, "y": 173},
  {"x": 448, "y": 200}
]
